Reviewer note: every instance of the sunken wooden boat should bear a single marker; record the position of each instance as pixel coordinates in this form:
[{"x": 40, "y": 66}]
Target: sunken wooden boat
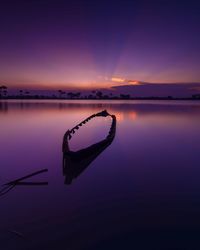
[{"x": 75, "y": 162}]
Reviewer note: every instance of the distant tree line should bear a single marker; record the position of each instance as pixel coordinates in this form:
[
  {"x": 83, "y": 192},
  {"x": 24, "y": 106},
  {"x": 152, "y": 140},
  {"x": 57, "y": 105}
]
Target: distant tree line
[
  {"x": 94, "y": 94},
  {"x": 3, "y": 91},
  {"x": 197, "y": 96}
]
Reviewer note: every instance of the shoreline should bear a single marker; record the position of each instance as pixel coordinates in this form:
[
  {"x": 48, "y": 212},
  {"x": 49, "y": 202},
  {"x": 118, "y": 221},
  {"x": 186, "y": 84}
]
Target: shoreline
[{"x": 102, "y": 99}]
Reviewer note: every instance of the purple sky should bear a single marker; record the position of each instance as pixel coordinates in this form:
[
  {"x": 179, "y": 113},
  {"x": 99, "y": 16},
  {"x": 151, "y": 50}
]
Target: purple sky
[{"x": 87, "y": 43}]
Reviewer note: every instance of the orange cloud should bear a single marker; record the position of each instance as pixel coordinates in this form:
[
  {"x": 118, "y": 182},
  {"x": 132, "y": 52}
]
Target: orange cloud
[
  {"x": 124, "y": 80},
  {"x": 118, "y": 79},
  {"x": 134, "y": 82}
]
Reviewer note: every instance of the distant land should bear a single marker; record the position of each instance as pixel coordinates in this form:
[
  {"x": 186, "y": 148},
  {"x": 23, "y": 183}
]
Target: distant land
[
  {"x": 176, "y": 90},
  {"x": 142, "y": 90}
]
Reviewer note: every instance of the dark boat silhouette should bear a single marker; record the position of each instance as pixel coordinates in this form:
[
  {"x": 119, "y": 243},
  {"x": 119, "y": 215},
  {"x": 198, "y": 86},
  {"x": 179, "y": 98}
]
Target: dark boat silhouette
[{"x": 75, "y": 162}]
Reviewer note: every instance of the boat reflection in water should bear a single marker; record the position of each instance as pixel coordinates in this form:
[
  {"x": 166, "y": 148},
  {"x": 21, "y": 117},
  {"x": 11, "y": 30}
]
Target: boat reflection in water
[{"x": 74, "y": 163}]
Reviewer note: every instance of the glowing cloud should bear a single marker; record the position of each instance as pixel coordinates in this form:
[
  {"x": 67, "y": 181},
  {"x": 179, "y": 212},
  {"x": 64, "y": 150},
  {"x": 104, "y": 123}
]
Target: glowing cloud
[
  {"x": 118, "y": 79},
  {"x": 124, "y": 80},
  {"x": 133, "y": 82}
]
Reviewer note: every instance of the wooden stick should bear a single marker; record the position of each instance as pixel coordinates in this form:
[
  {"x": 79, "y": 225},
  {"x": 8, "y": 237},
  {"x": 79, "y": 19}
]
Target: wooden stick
[{"x": 25, "y": 177}]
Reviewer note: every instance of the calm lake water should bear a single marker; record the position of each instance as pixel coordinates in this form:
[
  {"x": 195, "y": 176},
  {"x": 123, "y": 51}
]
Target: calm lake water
[{"x": 141, "y": 192}]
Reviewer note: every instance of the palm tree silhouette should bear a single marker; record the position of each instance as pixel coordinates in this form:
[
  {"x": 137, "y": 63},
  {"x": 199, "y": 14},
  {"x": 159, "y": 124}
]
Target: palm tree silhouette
[{"x": 3, "y": 91}]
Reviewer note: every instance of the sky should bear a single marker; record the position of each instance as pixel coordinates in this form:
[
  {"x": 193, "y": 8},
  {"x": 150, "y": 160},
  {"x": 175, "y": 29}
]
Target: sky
[{"x": 87, "y": 44}]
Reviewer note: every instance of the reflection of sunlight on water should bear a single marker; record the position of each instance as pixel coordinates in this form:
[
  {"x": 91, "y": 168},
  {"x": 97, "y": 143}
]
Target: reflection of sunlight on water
[
  {"x": 121, "y": 116},
  {"x": 132, "y": 115}
]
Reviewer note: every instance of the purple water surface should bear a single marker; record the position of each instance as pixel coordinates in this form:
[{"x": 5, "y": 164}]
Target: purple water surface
[{"x": 141, "y": 192}]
